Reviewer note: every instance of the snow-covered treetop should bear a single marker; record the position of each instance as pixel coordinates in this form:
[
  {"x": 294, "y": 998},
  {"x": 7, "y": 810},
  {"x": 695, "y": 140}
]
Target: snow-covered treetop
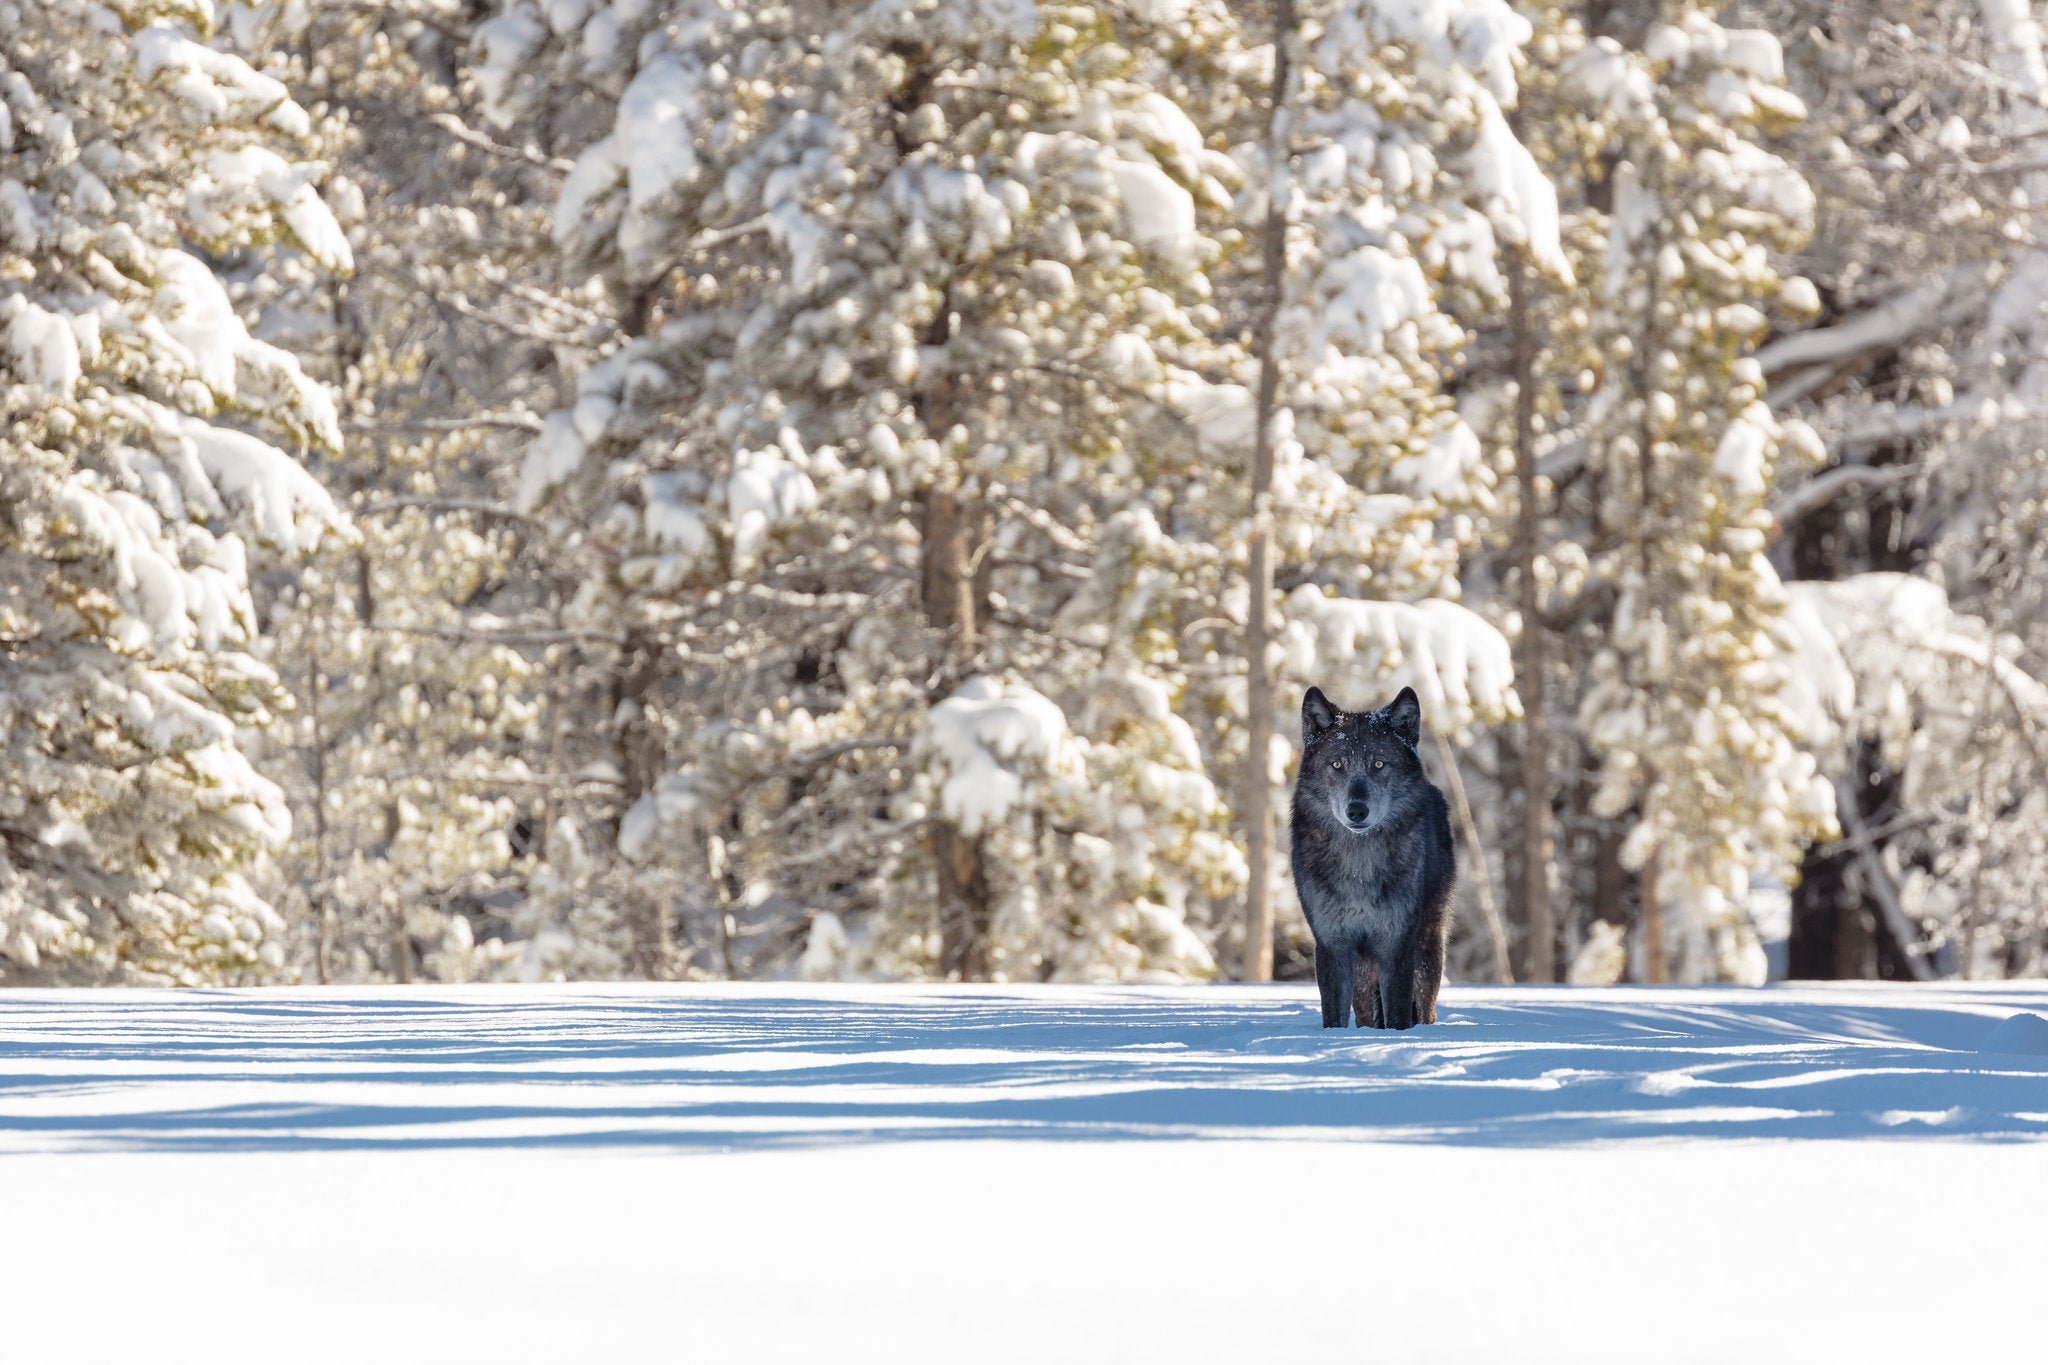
[{"x": 138, "y": 429}]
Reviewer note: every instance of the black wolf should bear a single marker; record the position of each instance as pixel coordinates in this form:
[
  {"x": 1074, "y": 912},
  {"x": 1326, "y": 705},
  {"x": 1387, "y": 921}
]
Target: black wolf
[{"x": 1373, "y": 862}]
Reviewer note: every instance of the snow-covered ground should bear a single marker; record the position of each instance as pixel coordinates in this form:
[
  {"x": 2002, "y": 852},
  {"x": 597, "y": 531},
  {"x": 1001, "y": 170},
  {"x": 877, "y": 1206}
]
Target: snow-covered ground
[{"x": 760, "y": 1173}]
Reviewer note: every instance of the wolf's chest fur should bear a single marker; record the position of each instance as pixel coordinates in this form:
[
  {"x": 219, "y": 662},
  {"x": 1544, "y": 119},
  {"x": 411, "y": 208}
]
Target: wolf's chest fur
[{"x": 1356, "y": 887}]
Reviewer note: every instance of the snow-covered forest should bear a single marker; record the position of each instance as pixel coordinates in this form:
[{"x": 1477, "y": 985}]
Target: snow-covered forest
[{"x": 854, "y": 489}]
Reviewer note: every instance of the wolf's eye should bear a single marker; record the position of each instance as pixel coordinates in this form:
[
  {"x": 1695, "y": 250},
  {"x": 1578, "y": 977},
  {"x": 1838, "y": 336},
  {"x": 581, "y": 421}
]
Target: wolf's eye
[
  {"x": 1337, "y": 764},
  {"x": 1379, "y": 763}
]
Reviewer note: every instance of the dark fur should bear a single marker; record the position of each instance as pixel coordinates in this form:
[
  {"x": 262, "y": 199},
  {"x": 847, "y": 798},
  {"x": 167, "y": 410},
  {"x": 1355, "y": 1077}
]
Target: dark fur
[{"x": 1378, "y": 898}]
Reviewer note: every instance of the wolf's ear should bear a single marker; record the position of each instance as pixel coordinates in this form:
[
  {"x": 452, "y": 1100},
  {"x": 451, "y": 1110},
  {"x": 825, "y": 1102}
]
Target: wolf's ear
[
  {"x": 1317, "y": 715},
  {"x": 1404, "y": 713}
]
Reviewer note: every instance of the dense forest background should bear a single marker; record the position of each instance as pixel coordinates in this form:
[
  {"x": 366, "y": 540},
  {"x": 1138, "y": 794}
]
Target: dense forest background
[{"x": 693, "y": 488}]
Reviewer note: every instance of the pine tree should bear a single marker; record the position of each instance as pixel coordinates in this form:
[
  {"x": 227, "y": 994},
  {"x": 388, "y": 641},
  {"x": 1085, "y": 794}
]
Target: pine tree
[
  {"x": 429, "y": 660},
  {"x": 1406, "y": 182},
  {"x": 139, "y": 167},
  {"x": 1685, "y": 711},
  {"x": 888, "y": 316}
]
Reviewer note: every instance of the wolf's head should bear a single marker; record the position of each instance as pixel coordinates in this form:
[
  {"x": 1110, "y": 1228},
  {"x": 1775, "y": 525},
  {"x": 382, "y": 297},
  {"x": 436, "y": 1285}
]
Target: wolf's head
[{"x": 1361, "y": 766}]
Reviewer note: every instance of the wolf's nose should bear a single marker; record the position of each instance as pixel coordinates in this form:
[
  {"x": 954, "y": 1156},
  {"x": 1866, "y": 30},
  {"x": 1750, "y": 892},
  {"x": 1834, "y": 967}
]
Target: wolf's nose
[{"x": 1355, "y": 812}]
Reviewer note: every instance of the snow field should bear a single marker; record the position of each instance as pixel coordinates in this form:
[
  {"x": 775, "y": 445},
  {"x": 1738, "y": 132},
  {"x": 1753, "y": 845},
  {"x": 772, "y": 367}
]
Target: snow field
[{"x": 776, "y": 1172}]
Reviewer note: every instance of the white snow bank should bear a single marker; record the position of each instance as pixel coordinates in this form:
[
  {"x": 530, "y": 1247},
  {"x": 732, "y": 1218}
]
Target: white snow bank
[
  {"x": 1090, "y": 1255},
  {"x": 709, "y": 1066}
]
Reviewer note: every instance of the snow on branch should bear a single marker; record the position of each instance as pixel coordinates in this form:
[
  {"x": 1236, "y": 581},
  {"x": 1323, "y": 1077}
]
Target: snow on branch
[
  {"x": 1881, "y": 654},
  {"x": 1889, "y": 324},
  {"x": 1364, "y": 652},
  {"x": 286, "y": 505},
  {"x": 989, "y": 742},
  {"x": 213, "y": 83}
]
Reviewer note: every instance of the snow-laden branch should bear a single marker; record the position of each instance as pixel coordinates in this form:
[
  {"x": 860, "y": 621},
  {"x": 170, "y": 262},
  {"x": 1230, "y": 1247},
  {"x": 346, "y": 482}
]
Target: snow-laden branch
[
  {"x": 1825, "y": 488},
  {"x": 1887, "y": 325},
  {"x": 503, "y": 637}
]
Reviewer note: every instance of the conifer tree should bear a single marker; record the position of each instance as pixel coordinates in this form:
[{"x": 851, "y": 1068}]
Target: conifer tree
[
  {"x": 142, "y": 167},
  {"x": 1685, "y": 711},
  {"x": 428, "y": 658},
  {"x": 936, "y": 427}
]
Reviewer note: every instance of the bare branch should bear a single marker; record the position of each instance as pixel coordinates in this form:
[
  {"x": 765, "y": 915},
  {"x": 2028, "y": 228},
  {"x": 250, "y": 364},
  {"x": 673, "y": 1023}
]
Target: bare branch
[
  {"x": 462, "y": 305},
  {"x": 825, "y": 753},
  {"x": 1045, "y": 523},
  {"x": 550, "y": 781},
  {"x": 515, "y": 421},
  {"x": 482, "y": 509},
  {"x": 469, "y": 136},
  {"x": 1889, "y": 324},
  {"x": 503, "y": 637},
  {"x": 1892, "y": 913},
  {"x": 712, "y": 237}
]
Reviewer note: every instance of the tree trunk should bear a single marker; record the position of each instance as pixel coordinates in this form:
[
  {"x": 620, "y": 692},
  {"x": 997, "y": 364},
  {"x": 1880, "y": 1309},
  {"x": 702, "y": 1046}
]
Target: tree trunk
[
  {"x": 953, "y": 581},
  {"x": 950, "y": 599},
  {"x": 1537, "y": 847},
  {"x": 402, "y": 965},
  {"x": 950, "y": 604},
  {"x": 1656, "y": 959},
  {"x": 642, "y": 753},
  {"x": 1482, "y": 881},
  {"x": 323, "y": 911},
  {"x": 964, "y": 905},
  {"x": 1610, "y": 878},
  {"x": 1257, "y": 795},
  {"x": 724, "y": 822},
  {"x": 951, "y": 589}
]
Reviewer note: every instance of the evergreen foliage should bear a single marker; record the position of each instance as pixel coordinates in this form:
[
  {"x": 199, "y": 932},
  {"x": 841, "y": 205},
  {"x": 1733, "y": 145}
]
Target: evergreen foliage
[{"x": 592, "y": 488}]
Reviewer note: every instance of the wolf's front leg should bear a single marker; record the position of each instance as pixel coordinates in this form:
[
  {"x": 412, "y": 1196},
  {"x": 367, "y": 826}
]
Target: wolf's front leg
[
  {"x": 1334, "y": 976},
  {"x": 1397, "y": 991},
  {"x": 1365, "y": 997}
]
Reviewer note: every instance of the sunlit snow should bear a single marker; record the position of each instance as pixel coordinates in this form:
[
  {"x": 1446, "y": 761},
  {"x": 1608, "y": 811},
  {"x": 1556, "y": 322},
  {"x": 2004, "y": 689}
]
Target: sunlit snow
[{"x": 1019, "y": 1173}]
